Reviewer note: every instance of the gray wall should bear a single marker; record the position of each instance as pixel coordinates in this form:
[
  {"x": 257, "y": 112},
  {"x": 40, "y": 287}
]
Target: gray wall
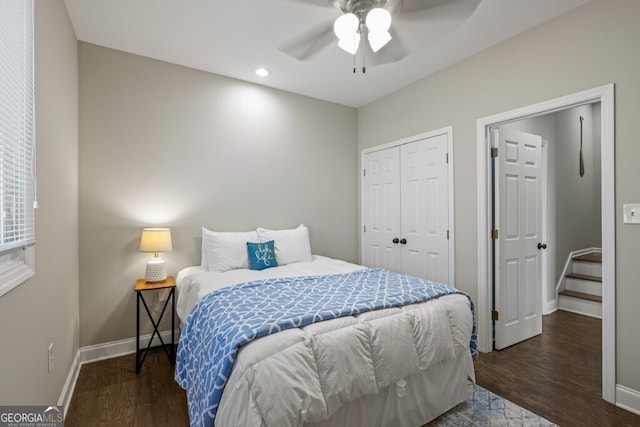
[
  {"x": 44, "y": 309},
  {"x": 166, "y": 145},
  {"x": 578, "y": 216},
  {"x": 591, "y": 46}
]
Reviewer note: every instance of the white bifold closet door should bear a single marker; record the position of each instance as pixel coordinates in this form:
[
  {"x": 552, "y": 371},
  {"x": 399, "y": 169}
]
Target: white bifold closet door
[
  {"x": 381, "y": 209},
  {"x": 405, "y": 209}
]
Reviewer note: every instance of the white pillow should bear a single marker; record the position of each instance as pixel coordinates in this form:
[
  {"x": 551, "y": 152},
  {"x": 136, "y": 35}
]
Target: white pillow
[
  {"x": 291, "y": 245},
  {"x": 226, "y": 250}
]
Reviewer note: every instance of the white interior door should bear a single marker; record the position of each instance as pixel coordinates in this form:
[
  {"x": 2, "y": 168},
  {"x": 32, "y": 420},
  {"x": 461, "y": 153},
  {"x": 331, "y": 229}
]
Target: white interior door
[
  {"x": 518, "y": 209},
  {"x": 425, "y": 208},
  {"x": 381, "y": 209}
]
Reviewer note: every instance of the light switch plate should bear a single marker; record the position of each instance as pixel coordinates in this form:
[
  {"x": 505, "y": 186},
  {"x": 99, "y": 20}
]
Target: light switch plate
[{"x": 631, "y": 213}]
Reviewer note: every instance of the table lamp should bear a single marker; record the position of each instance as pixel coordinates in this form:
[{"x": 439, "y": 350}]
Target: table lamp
[{"x": 155, "y": 240}]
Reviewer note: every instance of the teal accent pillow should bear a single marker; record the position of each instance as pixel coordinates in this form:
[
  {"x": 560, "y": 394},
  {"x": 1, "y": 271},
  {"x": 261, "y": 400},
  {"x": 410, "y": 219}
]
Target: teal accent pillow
[{"x": 261, "y": 255}]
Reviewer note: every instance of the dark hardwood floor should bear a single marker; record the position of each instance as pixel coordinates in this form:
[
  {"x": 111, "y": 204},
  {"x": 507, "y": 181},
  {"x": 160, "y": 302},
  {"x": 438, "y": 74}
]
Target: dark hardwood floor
[
  {"x": 557, "y": 374},
  {"x": 109, "y": 393}
]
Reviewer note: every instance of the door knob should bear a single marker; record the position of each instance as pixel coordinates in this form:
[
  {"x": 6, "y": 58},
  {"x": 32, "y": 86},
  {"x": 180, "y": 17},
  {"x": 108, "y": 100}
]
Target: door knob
[
  {"x": 542, "y": 246},
  {"x": 403, "y": 241},
  {"x": 396, "y": 240}
]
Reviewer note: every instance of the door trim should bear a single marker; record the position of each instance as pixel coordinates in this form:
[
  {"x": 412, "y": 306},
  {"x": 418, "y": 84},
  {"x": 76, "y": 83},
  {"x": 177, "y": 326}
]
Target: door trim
[
  {"x": 442, "y": 131},
  {"x": 547, "y": 307},
  {"x": 604, "y": 95}
]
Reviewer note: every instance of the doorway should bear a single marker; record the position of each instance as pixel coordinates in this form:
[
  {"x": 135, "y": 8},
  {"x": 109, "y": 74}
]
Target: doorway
[{"x": 605, "y": 96}]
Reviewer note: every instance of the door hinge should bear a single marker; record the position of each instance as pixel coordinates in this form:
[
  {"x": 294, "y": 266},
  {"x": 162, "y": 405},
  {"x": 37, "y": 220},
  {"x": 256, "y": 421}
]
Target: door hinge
[
  {"x": 447, "y": 234},
  {"x": 364, "y": 228},
  {"x": 494, "y": 152},
  {"x": 495, "y": 315},
  {"x": 494, "y": 234},
  {"x": 364, "y": 172},
  {"x": 447, "y": 158}
]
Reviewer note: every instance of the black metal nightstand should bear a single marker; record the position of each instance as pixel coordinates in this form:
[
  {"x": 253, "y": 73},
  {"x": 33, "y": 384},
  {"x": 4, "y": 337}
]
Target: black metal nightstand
[{"x": 141, "y": 286}]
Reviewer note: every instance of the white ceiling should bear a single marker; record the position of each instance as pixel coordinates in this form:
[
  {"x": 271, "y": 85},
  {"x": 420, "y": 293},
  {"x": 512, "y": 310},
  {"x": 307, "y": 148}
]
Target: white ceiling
[{"x": 233, "y": 37}]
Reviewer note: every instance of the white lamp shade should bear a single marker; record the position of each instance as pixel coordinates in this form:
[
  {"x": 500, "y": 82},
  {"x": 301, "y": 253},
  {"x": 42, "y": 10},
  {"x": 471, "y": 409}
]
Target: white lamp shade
[
  {"x": 350, "y": 44},
  {"x": 346, "y": 25},
  {"x": 155, "y": 240},
  {"x": 378, "y": 40},
  {"x": 378, "y": 20}
]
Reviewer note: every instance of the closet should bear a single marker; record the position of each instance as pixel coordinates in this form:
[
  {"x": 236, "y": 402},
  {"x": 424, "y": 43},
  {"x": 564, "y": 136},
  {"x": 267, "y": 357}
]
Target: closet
[{"x": 405, "y": 207}]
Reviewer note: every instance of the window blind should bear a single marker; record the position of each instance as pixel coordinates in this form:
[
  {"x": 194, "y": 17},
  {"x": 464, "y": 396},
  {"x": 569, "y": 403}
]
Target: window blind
[{"x": 17, "y": 182}]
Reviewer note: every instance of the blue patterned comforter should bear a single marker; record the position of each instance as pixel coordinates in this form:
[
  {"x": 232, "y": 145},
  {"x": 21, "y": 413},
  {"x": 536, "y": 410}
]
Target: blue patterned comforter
[{"x": 232, "y": 316}]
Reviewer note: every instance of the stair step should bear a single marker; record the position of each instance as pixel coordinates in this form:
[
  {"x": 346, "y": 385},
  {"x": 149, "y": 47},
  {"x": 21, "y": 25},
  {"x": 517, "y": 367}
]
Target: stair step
[
  {"x": 590, "y": 257},
  {"x": 584, "y": 277},
  {"x": 583, "y": 286},
  {"x": 586, "y": 267},
  {"x": 580, "y": 306},
  {"x": 581, "y": 295}
]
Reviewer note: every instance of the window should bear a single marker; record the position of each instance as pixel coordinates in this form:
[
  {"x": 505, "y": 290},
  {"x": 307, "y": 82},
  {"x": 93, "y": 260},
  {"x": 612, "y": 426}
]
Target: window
[{"x": 17, "y": 155}]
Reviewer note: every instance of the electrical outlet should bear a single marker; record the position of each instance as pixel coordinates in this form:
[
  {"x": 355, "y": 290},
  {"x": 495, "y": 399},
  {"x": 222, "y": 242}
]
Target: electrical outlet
[{"x": 50, "y": 357}]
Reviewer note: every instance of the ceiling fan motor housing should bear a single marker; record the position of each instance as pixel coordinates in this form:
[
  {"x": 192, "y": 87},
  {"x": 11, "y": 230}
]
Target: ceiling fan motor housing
[{"x": 361, "y": 7}]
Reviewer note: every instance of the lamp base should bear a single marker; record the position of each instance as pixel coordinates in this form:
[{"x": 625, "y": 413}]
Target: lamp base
[{"x": 156, "y": 271}]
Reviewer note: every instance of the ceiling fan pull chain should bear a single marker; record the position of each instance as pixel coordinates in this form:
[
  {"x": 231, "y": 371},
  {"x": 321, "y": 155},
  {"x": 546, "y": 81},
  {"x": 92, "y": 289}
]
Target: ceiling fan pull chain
[
  {"x": 581, "y": 158},
  {"x": 364, "y": 65}
]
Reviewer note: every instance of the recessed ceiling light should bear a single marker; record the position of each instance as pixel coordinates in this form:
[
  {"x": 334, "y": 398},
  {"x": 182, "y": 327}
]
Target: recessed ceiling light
[{"x": 262, "y": 72}]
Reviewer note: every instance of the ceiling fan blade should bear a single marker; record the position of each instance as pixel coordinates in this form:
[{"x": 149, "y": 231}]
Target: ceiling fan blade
[
  {"x": 393, "y": 51},
  {"x": 322, "y": 3},
  {"x": 310, "y": 43},
  {"x": 409, "y": 6},
  {"x": 437, "y": 9}
]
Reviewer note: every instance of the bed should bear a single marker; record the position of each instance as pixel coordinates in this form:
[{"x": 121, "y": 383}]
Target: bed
[{"x": 322, "y": 342}]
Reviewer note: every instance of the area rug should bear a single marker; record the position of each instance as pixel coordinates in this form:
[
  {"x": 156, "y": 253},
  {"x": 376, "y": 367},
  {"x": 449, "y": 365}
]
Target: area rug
[{"x": 484, "y": 408}]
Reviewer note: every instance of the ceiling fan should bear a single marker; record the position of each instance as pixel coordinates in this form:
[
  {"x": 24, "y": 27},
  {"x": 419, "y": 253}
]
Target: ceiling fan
[{"x": 375, "y": 27}]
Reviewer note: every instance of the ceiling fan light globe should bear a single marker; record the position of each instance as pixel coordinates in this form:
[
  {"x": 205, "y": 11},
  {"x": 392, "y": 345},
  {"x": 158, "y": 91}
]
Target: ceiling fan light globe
[
  {"x": 350, "y": 44},
  {"x": 378, "y": 40},
  {"x": 346, "y": 25},
  {"x": 378, "y": 20}
]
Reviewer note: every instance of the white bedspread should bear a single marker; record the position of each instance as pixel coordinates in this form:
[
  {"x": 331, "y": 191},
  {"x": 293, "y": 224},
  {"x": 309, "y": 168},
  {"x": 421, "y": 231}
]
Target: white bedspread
[
  {"x": 305, "y": 375},
  {"x": 195, "y": 282}
]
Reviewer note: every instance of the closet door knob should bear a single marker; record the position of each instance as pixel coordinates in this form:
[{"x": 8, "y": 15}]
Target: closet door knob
[
  {"x": 396, "y": 240},
  {"x": 403, "y": 241},
  {"x": 542, "y": 246}
]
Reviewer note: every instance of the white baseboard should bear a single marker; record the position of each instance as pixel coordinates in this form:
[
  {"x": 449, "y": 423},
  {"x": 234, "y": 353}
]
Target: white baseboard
[
  {"x": 70, "y": 383},
  {"x": 550, "y": 307},
  {"x": 95, "y": 353},
  {"x": 628, "y": 399}
]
